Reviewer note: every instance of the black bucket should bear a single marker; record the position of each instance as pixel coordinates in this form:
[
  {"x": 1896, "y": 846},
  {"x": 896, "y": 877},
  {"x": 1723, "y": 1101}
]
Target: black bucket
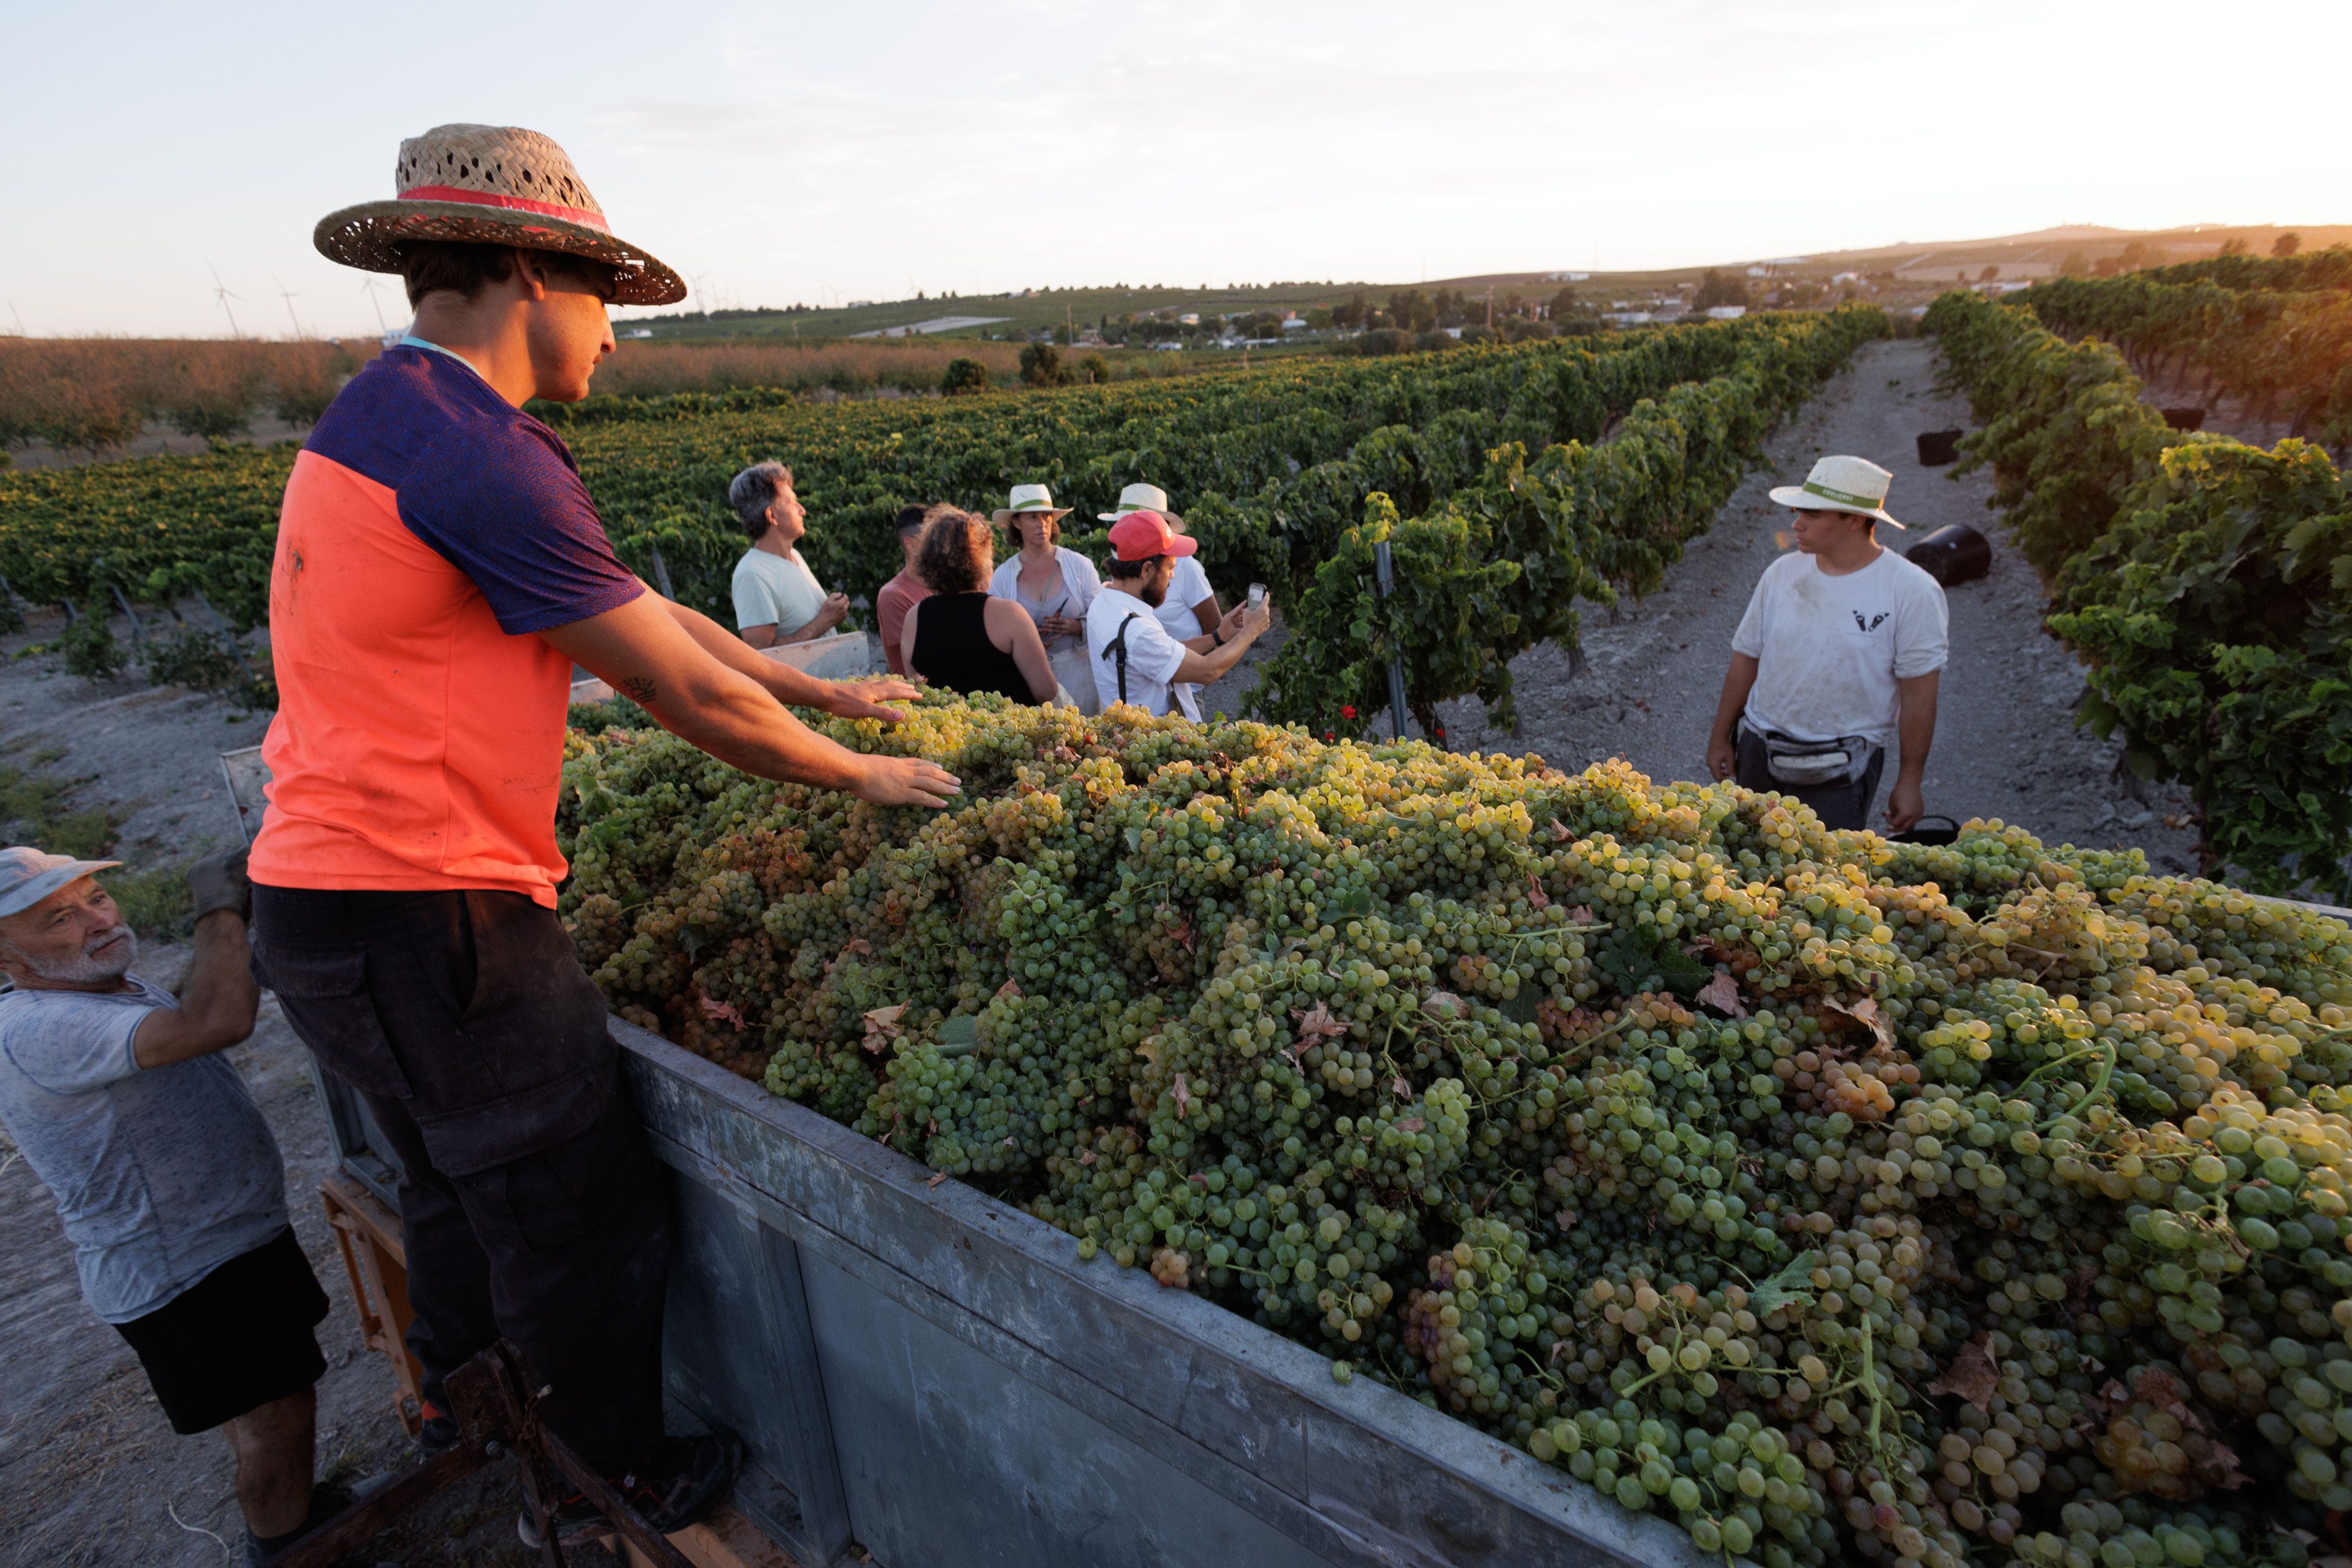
[
  {"x": 1953, "y": 553},
  {"x": 1922, "y": 833},
  {"x": 1937, "y": 447},
  {"x": 2190, "y": 418}
]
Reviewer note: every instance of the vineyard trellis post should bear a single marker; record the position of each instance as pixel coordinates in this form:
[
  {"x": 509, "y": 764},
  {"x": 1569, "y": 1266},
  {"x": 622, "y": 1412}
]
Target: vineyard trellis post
[{"x": 1386, "y": 578}]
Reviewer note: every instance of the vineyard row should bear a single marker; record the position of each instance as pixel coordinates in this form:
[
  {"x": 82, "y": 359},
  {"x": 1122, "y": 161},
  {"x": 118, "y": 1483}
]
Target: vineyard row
[
  {"x": 2208, "y": 582},
  {"x": 1244, "y": 454}
]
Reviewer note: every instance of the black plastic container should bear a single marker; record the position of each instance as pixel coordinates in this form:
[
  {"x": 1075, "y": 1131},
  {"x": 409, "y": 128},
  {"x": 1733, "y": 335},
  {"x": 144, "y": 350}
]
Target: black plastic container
[
  {"x": 1953, "y": 553},
  {"x": 1921, "y": 833},
  {"x": 2189, "y": 418},
  {"x": 1937, "y": 447}
]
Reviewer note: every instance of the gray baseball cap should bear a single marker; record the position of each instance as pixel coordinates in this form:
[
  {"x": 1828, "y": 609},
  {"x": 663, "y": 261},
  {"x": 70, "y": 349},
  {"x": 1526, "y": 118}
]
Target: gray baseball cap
[{"x": 28, "y": 876}]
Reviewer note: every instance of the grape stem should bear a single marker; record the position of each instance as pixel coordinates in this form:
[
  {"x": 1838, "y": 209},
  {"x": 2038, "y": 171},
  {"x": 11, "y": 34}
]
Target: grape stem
[{"x": 2098, "y": 1088}]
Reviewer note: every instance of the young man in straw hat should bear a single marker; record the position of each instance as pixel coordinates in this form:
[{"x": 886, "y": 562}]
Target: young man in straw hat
[
  {"x": 1840, "y": 652},
  {"x": 1190, "y": 610},
  {"x": 439, "y": 569}
]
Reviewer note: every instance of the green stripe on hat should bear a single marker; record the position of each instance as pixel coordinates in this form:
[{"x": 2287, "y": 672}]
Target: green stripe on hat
[{"x": 1814, "y": 487}]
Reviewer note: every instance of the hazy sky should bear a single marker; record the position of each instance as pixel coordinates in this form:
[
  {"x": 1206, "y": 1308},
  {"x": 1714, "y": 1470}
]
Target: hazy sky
[{"x": 827, "y": 153}]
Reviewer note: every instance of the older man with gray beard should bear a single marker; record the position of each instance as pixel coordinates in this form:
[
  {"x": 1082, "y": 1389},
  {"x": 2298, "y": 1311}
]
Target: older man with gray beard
[{"x": 167, "y": 1177}]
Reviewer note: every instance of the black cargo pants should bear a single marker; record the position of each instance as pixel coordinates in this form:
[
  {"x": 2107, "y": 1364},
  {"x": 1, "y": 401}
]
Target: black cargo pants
[{"x": 529, "y": 1202}]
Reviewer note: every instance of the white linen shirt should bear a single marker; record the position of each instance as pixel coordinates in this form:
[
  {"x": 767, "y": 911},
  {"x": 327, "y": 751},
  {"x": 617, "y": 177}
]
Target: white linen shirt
[{"x": 1153, "y": 657}]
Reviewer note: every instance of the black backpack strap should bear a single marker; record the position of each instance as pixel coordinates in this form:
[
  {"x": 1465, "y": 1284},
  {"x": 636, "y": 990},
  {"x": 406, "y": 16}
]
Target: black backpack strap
[{"x": 1117, "y": 650}]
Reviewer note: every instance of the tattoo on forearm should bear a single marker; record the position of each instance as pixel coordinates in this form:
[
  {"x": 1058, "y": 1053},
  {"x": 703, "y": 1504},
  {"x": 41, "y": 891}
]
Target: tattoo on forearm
[{"x": 638, "y": 689}]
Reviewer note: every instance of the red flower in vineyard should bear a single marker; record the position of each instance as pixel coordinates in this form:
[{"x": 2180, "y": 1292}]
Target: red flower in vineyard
[{"x": 1347, "y": 710}]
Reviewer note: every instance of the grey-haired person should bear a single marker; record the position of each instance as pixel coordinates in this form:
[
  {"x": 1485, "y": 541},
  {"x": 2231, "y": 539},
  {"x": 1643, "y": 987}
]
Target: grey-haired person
[
  {"x": 777, "y": 598},
  {"x": 167, "y": 1181}
]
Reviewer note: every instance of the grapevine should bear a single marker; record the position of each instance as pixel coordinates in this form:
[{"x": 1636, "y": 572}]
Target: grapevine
[
  {"x": 1836, "y": 1200},
  {"x": 2207, "y": 583}
]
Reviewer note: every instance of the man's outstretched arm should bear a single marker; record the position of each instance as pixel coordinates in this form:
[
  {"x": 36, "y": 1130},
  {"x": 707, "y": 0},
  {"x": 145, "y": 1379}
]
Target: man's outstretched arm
[
  {"x": 643, "y": 651},
  {"x": 842, "y": 699}
]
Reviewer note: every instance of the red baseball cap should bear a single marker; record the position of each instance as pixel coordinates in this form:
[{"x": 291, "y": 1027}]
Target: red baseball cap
[{"x": 1140, "y": 535}]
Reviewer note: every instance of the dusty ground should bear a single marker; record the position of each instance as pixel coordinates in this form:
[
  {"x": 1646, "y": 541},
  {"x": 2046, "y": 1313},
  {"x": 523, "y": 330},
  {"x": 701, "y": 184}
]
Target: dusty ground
[{"x": 2006, "y": 744}]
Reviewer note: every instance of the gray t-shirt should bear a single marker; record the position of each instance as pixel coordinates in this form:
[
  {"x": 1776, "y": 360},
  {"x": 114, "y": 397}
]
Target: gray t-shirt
[{"x": 161, "y": 1175}]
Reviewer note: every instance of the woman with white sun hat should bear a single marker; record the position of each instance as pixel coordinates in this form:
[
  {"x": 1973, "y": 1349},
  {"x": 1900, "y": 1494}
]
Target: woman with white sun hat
[
  {"x": 1840, "y": 651},
  {"x": 1052, "y": 582}
]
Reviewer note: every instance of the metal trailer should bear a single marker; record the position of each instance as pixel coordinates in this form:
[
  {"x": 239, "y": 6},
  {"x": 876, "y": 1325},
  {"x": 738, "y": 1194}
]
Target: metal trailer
[{"x": 925, "y": 1374}]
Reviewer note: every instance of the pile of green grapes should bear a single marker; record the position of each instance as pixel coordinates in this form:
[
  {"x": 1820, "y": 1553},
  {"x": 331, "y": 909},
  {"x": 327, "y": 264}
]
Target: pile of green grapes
[{"x": 1840, "y": 1199}]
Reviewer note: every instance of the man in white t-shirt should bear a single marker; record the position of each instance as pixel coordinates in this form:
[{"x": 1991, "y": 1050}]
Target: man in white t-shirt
[
  {"x": 1190, "y": 612},
  {"x": 1135, "y": 659},
  {"x": 777, "y": 598},
  {"x": 1839, "y": 653}
]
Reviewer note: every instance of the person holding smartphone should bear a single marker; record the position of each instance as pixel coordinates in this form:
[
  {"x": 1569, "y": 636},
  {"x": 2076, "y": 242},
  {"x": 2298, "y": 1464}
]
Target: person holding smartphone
[
  {"x": 1139, "y": 662},
  {"x": 1190, "y": 610}
]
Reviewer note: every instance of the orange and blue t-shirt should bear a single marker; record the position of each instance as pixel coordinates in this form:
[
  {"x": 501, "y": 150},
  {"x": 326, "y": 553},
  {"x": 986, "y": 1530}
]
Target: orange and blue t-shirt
[{"x": 430, "y": 528}]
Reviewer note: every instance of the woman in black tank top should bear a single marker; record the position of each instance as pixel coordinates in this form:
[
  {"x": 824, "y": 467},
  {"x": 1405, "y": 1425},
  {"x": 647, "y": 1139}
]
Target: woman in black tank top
[{"x": 962, "y": 638}]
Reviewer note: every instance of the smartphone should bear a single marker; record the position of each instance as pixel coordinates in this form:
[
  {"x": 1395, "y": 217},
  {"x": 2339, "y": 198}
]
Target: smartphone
[{"x": 1257, "y": 594}]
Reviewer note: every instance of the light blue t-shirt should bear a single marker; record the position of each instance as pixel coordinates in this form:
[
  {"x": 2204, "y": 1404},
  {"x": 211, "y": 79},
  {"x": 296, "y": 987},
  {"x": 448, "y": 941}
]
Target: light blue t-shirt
[{"x": 161, "y": 1175}]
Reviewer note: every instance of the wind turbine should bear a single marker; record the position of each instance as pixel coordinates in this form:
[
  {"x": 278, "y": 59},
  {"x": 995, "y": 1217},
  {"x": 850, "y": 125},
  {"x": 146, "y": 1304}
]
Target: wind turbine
[
  {"x": 288, "y": 295},
  {"x": 221, "y": 295},
  {"x": 700, "y": 297},
  {"x": 20, "y": 319},
  {"x": 368, "y": 285}
]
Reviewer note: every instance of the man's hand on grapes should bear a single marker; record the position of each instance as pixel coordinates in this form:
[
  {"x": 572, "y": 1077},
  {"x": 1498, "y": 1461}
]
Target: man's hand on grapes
[
  {"x": 864, "y": 699},
  {"x": 907, "y": 781}
]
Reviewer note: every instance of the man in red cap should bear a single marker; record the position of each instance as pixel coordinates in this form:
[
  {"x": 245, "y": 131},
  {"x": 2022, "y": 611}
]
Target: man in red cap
[{"x": 1136, "y": 659}]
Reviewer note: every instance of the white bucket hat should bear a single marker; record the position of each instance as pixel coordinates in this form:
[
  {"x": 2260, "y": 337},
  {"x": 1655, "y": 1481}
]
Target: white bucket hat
[
  {"x": 1853, "y": 485},
  {"x": 1028, "y": 498},
  {"x": 1140, "y": 498}
]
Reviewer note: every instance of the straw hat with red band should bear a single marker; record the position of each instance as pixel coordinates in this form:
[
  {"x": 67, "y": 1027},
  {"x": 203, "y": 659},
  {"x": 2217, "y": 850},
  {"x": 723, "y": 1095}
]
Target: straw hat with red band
[
  {"x": 491, "y": 185},
  {"x": 1143, "y": 535}
]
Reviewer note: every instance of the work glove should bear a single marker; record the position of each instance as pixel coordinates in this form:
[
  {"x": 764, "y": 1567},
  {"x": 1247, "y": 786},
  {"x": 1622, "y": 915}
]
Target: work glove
[{"x": 219, "y": 881}]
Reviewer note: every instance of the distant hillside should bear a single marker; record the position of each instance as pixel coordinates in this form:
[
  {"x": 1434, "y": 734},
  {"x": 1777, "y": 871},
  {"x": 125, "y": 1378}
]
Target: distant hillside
[{"x": 1902, "y": 272}]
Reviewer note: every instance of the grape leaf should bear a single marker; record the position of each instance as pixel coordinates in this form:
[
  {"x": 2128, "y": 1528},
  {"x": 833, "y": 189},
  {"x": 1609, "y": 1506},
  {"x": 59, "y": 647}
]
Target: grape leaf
[
  {"x": 1792, "y": 1286},
  {"x": 1722, "y": 994},
  {"x": 1316, "y": 1025},
  {"x": 882, "y": 1025},
  {"x": 1971, "y": 1375},
  {"x": 960, "y": 1036}
]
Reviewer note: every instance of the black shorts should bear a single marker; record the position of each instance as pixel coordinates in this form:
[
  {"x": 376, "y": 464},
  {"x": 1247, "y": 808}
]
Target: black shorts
[{"x": 236, "y": 1339}]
